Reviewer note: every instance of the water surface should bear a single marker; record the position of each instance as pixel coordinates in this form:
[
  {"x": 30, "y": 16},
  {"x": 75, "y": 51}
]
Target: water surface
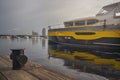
[{"x": 78, "y": 62}]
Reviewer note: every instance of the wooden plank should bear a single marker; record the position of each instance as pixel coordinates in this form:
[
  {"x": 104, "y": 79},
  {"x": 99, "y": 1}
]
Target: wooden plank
[
  {"x": 2, "y": 77},
  {"x": 18, "y": 75},
  {"x": 31, "y": 71}
]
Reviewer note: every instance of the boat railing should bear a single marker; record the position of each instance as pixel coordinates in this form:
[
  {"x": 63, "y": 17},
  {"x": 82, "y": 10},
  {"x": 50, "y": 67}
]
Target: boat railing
[
  {"x": 108, "y": 27},
  {"x": 56, "y": 26}
]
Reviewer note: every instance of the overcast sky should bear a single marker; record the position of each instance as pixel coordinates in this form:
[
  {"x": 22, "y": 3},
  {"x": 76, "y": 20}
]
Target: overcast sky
[{"x": 23, "y": 16}]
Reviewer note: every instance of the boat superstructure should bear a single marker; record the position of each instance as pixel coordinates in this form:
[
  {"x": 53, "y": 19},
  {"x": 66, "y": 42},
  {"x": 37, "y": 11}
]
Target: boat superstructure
[{"x": 103, "y": 29}]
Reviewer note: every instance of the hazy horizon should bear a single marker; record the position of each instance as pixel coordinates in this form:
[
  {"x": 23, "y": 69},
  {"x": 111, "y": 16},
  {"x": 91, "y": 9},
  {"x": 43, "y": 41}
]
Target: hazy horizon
[{"x": 25, "y": 16}]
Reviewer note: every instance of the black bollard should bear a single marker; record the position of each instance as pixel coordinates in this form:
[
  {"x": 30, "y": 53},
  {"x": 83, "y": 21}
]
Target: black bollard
[{"x": 18, "y": 58}]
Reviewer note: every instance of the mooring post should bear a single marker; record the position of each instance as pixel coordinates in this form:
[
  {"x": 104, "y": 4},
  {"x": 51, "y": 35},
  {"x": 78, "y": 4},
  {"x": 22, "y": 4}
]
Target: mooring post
[{"x": 18, "y": 58}]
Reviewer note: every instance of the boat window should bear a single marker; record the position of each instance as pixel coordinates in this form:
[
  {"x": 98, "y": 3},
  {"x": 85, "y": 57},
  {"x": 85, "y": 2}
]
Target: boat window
[
  {"x": 102, "y": 12},
  {"x": 68, "y": 23},
  {"x": 91, "y": 22},
  {"x": 117, "y": 12},
  {"x": 79, "y": 23}
]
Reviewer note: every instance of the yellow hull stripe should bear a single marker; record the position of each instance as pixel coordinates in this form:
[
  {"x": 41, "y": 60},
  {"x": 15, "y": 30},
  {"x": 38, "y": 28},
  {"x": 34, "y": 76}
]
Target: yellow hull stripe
[{"x": 97, "y": 35}]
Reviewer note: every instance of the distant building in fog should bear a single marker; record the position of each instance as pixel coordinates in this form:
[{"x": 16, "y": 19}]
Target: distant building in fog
[
  {"x": 34, "y": 33},
  {"x": 44, "y": 32}
]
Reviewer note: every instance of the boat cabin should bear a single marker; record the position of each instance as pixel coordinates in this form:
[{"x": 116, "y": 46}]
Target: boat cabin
[
  {"x": 110, "y": 14},
  {"x": 83, "y": 22}
]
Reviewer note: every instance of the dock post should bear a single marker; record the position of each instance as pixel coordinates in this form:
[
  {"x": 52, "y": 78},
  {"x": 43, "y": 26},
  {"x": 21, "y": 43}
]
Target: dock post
[{"x": 18, "y": 58}]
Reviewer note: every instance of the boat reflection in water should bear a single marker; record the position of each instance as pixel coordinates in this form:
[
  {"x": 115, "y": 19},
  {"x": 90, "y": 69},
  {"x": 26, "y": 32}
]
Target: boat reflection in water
[{"x": 95, "y": 61}]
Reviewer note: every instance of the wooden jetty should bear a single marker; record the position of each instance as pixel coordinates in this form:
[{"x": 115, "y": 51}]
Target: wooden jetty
[{"x": 31, "y": 71}]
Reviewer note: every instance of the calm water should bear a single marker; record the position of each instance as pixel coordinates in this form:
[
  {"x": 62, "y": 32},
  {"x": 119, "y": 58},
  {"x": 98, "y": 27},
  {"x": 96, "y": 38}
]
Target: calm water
[{"x": 78, "y": 62}]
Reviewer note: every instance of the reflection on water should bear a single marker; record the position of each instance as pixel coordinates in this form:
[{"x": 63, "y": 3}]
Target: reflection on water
[
  {"x": 43, "y": 43},
  {"x": 88, "y": 60},
  {"x": 73, "y": 61},
  {"x": 34, "y": 41}
]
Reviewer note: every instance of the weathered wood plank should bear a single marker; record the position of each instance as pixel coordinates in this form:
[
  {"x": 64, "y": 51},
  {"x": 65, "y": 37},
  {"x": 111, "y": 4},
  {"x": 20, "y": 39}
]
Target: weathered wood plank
[
  {"x": 31, "y": 71},
  {"x": 2, "y": 77}
]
